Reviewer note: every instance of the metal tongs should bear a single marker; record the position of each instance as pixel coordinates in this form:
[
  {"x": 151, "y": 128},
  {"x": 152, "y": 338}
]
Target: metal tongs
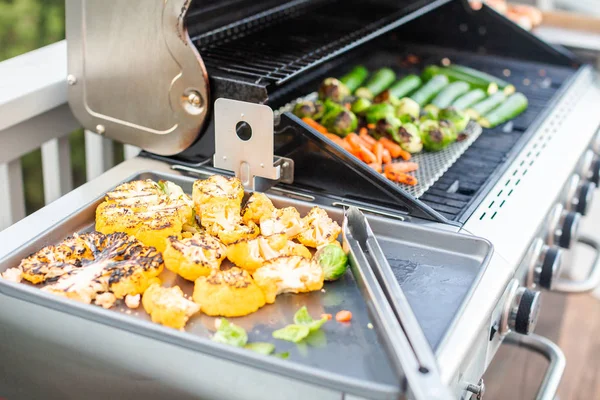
[{"x": 393, "y": 318}]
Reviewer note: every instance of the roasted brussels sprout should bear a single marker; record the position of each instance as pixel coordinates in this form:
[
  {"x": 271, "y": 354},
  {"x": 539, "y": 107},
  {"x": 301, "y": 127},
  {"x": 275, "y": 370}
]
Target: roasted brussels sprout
[
  {"x": 407, "y": 106},
  {"x": 310, "y": 109},
  {"x": 341, "y": 122},
  {"x": 458, "y": 118},
  {"x": 410, "y": 138},
  {"x": 434, "y": 136},
  {"x": 386, "y": 97},
  {"x": 333, "y": 89},
  {"x": 379, "y": 111},
  {"x": 388, "y": 127},
  {"x": 360, "y": 105},
  {"x": 333, "y": 260},
  {"x": 429, "y": 112}
]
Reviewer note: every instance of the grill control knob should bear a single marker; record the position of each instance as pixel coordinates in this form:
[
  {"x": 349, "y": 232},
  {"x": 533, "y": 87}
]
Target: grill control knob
[
  {"x": 523, "y": 314},
  {"x": 545, "y": 262},
  {"x": 578, "y": 195},
  {"x": 563, "y": 226},
  {"x": 521, "y": 309},
  {"x": 589, "y": 167}
]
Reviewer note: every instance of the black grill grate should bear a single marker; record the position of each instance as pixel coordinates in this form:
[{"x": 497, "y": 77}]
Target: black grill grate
[{"x": 277, "y": 52}]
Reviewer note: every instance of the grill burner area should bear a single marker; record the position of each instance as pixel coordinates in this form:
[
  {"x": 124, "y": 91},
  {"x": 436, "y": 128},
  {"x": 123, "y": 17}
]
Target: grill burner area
[
  {"x": 273, "y": 52},
  {"x": 457, "y": 190}
]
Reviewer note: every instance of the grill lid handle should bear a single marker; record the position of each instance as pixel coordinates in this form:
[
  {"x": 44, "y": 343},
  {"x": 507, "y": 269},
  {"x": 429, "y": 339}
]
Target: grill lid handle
[{"x": 244, "y": 144}]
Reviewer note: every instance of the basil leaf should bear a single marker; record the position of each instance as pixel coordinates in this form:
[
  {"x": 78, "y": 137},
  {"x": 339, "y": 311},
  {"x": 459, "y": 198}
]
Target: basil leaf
[
  {"x": 292, "y": 333},
  {"x": 231, "y": 334},
  {"x": 302, "y": 317},
  {"x": 261, "y": 347}
]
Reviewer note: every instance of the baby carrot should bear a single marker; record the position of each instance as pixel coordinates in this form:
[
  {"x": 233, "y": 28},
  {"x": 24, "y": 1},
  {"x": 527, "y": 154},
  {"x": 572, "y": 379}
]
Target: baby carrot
[
  {"x": 376, "y": 167},
  {"x": 343, "y": 316},
  {"x": 402, "y": 167},
  {"x": 387, "y": 157},
  {"x": 378, "y": 151},
  {"x": 314, "y": 124}
]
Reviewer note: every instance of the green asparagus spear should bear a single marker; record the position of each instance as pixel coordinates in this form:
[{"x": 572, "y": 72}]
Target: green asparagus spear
[
  {"x": 456, "y": 75},
  {"x": 429, "y": 90},
  {"x": 506, "y": 87},
  {"x": 509, "y": 109},
  {"x": 376, "y": 83},
  {"x": 405, "y": 86},
  {"x": 333, "y": 89},
  {"x": 449, "y": 93},
  {"x": 468, "y": 99},
  {"x": 355, "y": 78},
  {"x": 483, "y": 107}
]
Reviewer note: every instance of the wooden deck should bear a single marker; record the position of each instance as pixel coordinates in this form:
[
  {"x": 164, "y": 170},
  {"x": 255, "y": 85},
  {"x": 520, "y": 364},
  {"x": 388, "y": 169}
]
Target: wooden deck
[{"x": 573, "y": 322}]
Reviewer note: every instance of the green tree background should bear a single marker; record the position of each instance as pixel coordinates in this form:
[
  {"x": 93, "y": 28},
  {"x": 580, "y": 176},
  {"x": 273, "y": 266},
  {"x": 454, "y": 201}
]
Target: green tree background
[{"x": 26, "y": 25}]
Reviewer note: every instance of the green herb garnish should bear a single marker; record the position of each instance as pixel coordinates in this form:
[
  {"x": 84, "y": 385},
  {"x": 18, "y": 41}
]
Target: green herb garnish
[
  {"x": 261, "y": 347},
  {"x": 292, "y": 333},
  {"x": 231, "y": 334},
  {"x": 302, "y": 317}
]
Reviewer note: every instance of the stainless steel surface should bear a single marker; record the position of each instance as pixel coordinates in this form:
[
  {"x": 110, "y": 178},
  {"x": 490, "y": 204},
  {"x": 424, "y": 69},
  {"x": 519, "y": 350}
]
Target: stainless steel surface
[
  {"x": 393, "y": 317},
  {"x": 456, "y": 274},
  {"x": 139, "y": 94},
  {"x": 578, "y": 195},
  {"x": 596, "y": 143},
  {"x": 592, "y": 281},
  {"x": 508, "y": 307},
  {"x": 512, "y": 214},
  {"x": 432, "y": 165},
  {"x": 478, "y": 390},
  {"x": 244, "y": 143},
  {"x": 584, "y": 168},
  {"x": 552, "y": 353},
  {"x": 369, "y": 210}
]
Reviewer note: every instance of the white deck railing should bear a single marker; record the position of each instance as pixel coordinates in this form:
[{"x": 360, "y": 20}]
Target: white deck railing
[{"x": 34, "y": 114}]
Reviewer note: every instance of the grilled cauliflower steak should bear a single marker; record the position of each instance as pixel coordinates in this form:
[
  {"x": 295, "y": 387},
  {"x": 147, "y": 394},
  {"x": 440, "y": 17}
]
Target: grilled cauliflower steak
[
  {"x": 285, "y": 220},
  {"x": 194, "y": 257},
  {"x": 288, "y": 274},
  {"x": 145, "y": 209},
  {"x": 296, "y": 249},
  {"x": 168, "y": 306},
  {"x": 257, "y": 207},
  {"x": 119, "y": 264},
  {"x": 250, "y": 254},
  {"x": 217, "y": 189},
  {"x": 320, "y": 230},
  {"x": 230, "y": 293},
  {"x": 51, "y": 262}
]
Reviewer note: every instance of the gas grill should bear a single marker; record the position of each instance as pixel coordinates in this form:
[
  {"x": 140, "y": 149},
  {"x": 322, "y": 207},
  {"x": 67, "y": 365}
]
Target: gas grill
[{"x": 179, "y": 78}]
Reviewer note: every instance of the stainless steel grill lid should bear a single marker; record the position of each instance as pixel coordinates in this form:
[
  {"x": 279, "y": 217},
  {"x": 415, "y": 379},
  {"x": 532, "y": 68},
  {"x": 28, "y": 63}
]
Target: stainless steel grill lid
[{"x": 151, "y": 92}]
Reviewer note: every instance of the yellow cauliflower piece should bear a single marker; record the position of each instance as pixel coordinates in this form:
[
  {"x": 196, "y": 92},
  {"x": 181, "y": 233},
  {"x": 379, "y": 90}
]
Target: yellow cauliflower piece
[
  {"x": 288, "y": 274},
  {"x": 284, "y": 220},
  {"x": 296, "y": 249},
  {"x": 168, "y": 306},
  {"x": 239, "y": 232},
  {"x": 320, "y": 230},
  {"x": 251, "y": 254},
  {"x": 143, "y": 209},
  {"x": 194, "y": 257},
  {"x": 216, "y": 190},
  {"x": 120, "y": 264},
  {"x": 258, "y": 206},
  {"x": 230, "y": 293},
  {"x": 52, "y": 262}
]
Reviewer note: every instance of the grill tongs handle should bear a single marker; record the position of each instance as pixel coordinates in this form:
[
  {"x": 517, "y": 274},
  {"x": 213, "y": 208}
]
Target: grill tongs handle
[{"x": 390, "y": 312}]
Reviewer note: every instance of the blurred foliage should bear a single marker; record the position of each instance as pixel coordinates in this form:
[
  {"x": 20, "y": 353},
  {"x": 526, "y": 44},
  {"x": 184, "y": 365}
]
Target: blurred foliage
[{"x": 26, "y": 25}]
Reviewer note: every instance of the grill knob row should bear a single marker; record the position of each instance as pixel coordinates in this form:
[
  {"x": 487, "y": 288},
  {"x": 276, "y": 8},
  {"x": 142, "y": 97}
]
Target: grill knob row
[{"x": 563, "y": 226}]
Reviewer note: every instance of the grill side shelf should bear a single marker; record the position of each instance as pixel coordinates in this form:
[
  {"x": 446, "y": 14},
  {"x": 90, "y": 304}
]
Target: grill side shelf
[{"x": 307, "y": 148}]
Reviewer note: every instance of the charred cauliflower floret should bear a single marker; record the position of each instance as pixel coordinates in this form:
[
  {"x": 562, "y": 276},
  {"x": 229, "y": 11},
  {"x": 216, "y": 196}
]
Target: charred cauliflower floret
[
  {"x": 288, "y": 274},
  {"x": 258, "y": 207},
  {"x": 168, "y": 306},
  {"x": 239, "y": 232},
  {"x": 145, "y": 209},
  {"x": 217, "y": 189},
  {"x": 194, "y": 257},
  {"x": 230, "y": 293},
  {"x": 296, "y": 249},
  {"x": 320, "y": 230},
  {"x": 119, "y": 264},
  {"x": 285, "y": 220},
  {"x": 251, "y": 254},
  {"x": 52, "y": 262}
]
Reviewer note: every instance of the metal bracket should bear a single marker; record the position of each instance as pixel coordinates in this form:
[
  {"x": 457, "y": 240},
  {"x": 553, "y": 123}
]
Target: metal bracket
[{"x": 244, "y": 144}]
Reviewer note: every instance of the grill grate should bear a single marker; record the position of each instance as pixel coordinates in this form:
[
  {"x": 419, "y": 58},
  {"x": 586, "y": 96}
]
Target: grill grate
[{"x": 276, "y": 53}]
